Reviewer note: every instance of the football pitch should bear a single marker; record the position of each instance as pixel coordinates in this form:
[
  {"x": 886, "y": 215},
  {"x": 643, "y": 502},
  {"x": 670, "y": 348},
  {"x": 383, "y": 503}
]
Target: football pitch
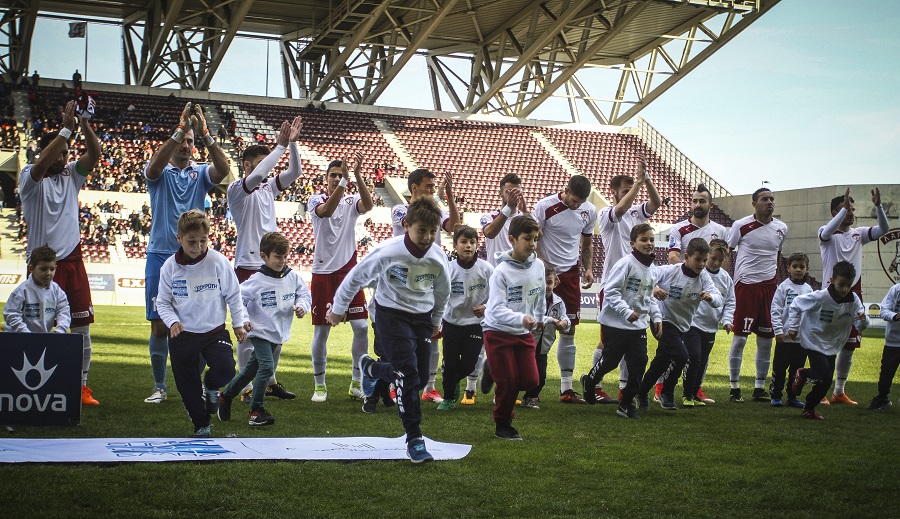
[{"x": 739, "y": 460}]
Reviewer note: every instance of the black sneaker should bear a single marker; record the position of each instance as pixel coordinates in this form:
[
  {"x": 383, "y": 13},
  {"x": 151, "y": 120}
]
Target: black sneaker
[
  {"x": 880, "y": 402},
  {"x": 667, "y": 402},
  {"x": 224, "y": 408},
  {"x": 643, "y": 402},
  {"x": 384, "y": 389},
  {"x": 760, "y": 395},
  {"x": 627, "y": 412},
  {"x": 278, "y": 391},
  {"x": 736, "y": 396},
  {"x": 261, "y": 417},
  {"x": 211, "y": 396},
  {"x": 588, "y": 389},
  {"x": 487, "y": 382},
  {"x": 507, "y": 432},
  {"x": 369, "y": 403}
]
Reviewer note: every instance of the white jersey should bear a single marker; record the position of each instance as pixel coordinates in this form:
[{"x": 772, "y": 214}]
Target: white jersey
[
  {"x": 270, "y": 303},
  {"x": 406, "y": 278},
  {"x": 562, "y": 230},
  {"x": 615, "y": 233},
  {"x": 759, "y": 246},
  {"x": 707, "y": 318},
  {"x": 785, "y": 294},
  {"x": 683, "y": 232},
  {"x": 684, "y": 287},
  {"x": 50, "y": 207},
  {"x": 468, "y": 288},
  {"x": 823, "y": 323},
  {"x": 517, "y": 289},
  {"x": 836, "y": 245},
  {"x": 556, "y": 310},
  {"x": 253, "y": 212},
  {"x": 35, "y": 309},
  {"x": 398, "y": 214},
  {"x": 335, "y": 235},
  {"x": 196, "y": 294},
  {"x": 499, "y": 243},
  {"x": 629, "y": 288}
]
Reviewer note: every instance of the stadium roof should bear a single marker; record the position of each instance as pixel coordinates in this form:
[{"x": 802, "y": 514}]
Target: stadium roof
[{"x": 495, "y": 56}]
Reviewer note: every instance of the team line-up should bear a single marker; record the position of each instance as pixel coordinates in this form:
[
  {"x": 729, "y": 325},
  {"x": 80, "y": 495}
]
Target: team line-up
[{"x": 509, "y": 309}]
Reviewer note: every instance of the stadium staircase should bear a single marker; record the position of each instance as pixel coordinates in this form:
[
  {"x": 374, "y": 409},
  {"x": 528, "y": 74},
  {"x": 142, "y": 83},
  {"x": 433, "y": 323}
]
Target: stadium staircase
[
  {"x": 557, "y": 155},
  {"x": 388, "y": 133}
]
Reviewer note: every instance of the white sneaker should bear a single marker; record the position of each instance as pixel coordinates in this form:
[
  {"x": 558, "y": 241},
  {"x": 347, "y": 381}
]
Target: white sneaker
[
  {"x": 158, "y": 397},
  {"x": 356, "y": 392},
  {"x": 320, "y": 394}
]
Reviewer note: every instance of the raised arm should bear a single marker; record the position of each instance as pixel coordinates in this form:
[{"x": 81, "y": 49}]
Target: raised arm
[
  {"x": 266, "y": 165},
  {"x": 655, "y": 200},
  {"x": 92, "y": 152},
  {"x": 365, "y": 203},
  {"x": 327, "y": 209},
  {"x": 164, "y": 154},
  {"x": 453, "y": 221},
  {"x": 219, "y": 169},
  {"x": 883, "y": 225},
  {"x": 492, "y": 229},
  {"x": 627, "y": 201},
  {"x": 57, "y": 146},
  {"x": 294, "y": 169},
  {"x": 834, "y": 224}
]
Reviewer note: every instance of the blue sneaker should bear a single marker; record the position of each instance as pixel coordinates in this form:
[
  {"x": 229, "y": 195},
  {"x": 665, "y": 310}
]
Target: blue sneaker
[
  {"x": 368, "y": 382},
  {"x": 643, "y": 402},
  {"x": 668, "y": 402},
  {"x": 203, "y": 432},
  {"x": 415, "y": 449},
  {"x": 793, "y": 402},
  {"x": 776, "y": 402}
]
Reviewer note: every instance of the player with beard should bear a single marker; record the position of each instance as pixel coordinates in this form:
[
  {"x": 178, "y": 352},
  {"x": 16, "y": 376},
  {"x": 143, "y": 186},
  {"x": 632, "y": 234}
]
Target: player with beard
[{"x": 49, "y": 193}]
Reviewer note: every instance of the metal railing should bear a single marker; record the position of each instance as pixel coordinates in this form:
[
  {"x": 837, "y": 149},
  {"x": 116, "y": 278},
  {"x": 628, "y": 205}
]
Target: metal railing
[{"x": 680, "y": 164}]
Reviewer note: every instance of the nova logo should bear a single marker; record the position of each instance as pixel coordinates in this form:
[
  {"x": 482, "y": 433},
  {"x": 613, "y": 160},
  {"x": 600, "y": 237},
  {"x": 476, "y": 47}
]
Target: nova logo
[
  {"x": 25, "y": 401},
  {"x": 27, "y": 367}
]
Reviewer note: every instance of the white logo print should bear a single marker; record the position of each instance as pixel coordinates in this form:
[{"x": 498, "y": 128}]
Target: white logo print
[{"x": 27, "y": 366}]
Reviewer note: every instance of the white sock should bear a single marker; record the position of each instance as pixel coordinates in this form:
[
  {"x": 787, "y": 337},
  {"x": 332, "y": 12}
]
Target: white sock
[
  {"x": 244, "y": 351},
  {"x": 842, "y": 369},
  {"x": 276, "y": 356},
  {"x": 472, "y": 379},
  {"x": 320, "y": 352},
  {"x": 565, "y": 356},
  {"x": 623, "y": 374},
  {"x": 85, "y": 332},
  {"x": 763, "y": 361},
  {"x": 735, "y": 357},
  {"x": 433, "y": 367},
  {"x": 360, "y": 344}
]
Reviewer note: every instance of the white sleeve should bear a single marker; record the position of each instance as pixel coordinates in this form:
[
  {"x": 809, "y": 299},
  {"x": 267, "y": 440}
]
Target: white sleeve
[
  {"x": 777, "y": 310},
  {"x": 612, "y": 291},
  {"x": 542, "y": 307},
  {"x": 734, "y": 236},
  {"x": 674, "y": 240},
  {"x": 164, "y": 301},
  {"x": 888, "y": 303},
  {"x": 63, "y": 314},
  {"x": 827, "y": 230},
  {"x": 860, "y": 324},
  {"x": 801, "y": 304},
  {"x": 231, "y": 290},
  {"x": 441, "y": 294},
  {"x": 710, "y": 288},
  {"x": 729, "y": 304},
  {"x": 263, "y": 169},
  {"x": 361, "y": 275},
  {"x": 565, "y": 314},
  {"x": 302, "y": 297},
  {"x": 294, "y": 169},
  {"x": 12, "y": 313},
  {"x": 883, "y": 226},
  {"x": 538, "y": 214}
]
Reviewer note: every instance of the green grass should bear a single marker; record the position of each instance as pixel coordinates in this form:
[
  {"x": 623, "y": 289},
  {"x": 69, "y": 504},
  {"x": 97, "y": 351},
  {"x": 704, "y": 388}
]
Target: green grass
[{"x": 746, "y": 460}]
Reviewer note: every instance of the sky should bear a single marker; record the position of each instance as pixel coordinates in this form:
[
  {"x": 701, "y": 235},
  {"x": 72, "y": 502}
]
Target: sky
[{"x": 805, "y": 97}]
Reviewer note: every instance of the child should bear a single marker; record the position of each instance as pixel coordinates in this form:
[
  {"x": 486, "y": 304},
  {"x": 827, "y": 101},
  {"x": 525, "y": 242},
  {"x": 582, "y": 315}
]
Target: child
[
  {"x": 515, "y": 307},
  {"x": 627, "y": 303},
  {"x": 412, "y": 286},
  {"x": 822, "y": 321},
  {"x": 38, "y": 304},
  {"x": 462, "y": 333},
  {"x": 272, "y": 296},
  {"x": 555, "y": 319},
  {"x": 195, "y": 285},
  {"x": 680, "y": 289},
  {"x": 701, "y": 337},
  {"x": 890, "y": 357},
  {"x": 789, "y": 355}
]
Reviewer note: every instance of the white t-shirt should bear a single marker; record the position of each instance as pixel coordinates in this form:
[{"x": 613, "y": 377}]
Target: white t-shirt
[
  {"x": 254, "y": 215},
  {"x": 847, "y": 246},
  {"x": 51, "y": 209},
  {"x": 615, "y": 233},
  {"x": 562, "y": 230},
  {"x": 499, "y": 243},
  {"x": 683, "y": 232},
  {"x": 468, "y": 288},
  {"x": 398, "y": 214},
  {"x": 270, "y": 303},
  {"x": 335, "y": 235},
  {"x": 35, "y": 309},
  {"x": 759, "y": 246}
]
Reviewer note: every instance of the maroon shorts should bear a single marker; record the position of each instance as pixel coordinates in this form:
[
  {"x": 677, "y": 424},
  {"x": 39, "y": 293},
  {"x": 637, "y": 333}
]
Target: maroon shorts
[
  {"x": 323, "y": 288},
  {"x": 569, "y": 290},
  {"x": 72, "y": 278},
  {"x": 753, "y": 309},
  {"x": 243, "y": 274},
  {"x": 855, "y": 338}
]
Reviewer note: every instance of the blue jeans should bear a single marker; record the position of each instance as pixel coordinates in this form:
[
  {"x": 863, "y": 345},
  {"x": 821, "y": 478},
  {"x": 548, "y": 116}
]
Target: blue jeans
[{"x": 259, "y": 368}]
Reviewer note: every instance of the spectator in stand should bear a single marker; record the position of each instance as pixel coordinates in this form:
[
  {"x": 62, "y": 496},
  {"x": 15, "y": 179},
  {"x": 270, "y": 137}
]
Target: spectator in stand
[
  {"x": 76, "y": 80},
  {"x": 35, "y": 79}
]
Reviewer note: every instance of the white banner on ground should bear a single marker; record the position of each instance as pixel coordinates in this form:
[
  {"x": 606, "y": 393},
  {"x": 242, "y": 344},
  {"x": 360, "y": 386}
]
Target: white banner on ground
[{"x": 119, "y": 450}]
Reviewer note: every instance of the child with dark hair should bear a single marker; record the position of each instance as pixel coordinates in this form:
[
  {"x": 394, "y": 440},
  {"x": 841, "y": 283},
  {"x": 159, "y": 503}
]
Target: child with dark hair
[
  {"x": 515, "y": 307},
  {"x": 822, "y": 321},
  {"x": 412, "y": 287},
  {"x": 462, "y": 334},
  {"x": 38, "y": 304},
  {"x": 789, "y": 354},
  {"x": 272, "y": 297}
]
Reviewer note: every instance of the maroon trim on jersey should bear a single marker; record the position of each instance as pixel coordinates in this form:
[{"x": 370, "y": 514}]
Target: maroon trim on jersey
[
  {"x": 871, "y": 238},
  {"x": 798, "y": 283},
  {"x": 467, "y": 265},
  {"x": 244, "y": 186},
  {"x": 688, "y": 272},
  {"x": 746, "y": 228},
  {"x": 278, "y": 183},
  {"x": 644, "y": 210},
  {"x": 413, "y": 248},
  {"x": 687, "y": 229},
  {"x": 643, "y": 258},
  {"x": 75, "y": 255},
  {"x": 554, "y": 209},
  {"x": 846, "y": 299},
  {"x": 182, "y": 260}
]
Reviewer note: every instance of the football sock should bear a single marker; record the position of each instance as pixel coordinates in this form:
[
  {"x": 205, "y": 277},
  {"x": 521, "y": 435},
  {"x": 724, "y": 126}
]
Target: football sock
[
  {"x": 320, "y": 352},
  {"x": 159, "y": 353},
  {"x": 433, "y": 367},
  {"x": 735, "y": 356},
  {"x": 565, "y": 356},
  {"x": 472, "y": 379},
  {"x": 360, "y": 344},
  {"x": 842, "y": 369},
  {"x": 85, "y": 332},
  {"x": 763, "y": 361}
]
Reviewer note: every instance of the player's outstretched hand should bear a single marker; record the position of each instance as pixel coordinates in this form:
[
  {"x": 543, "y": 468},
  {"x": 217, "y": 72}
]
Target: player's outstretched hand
[
  {"x": 299, "y": 312},
  {"x": 447, "y": 187},
  {"x": 345, "y": 169},
  {"x": 333, "y": 318},
  {"x": 283, "y": 135},
  {"x": 296, "y": 126},
  {"x": 513, "y": 197},
  {"x": 176, "y": 329},
  {"x": 847, "y": 202},
  {"x": 642, "y": 169},
  {"x": 184, "y": 123},
  {"x": 68, "y": 118},
  {"x": 876, "y": 197}
]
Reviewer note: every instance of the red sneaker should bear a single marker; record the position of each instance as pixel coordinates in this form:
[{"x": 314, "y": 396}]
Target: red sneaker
[
  {"x": 432, "y": 396},
  {"x": 656, "y": 397},
  {"x": 703, "y": 398},
  {"x": 603, "y": 397}
]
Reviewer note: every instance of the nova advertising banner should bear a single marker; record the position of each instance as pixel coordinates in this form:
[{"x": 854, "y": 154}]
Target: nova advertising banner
[{"x": 40, "y": 378}]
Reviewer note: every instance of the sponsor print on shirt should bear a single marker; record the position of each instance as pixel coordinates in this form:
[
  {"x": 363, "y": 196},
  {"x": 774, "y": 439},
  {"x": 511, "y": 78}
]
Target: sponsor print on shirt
[
  {"x": 457, "y": 288},
  {"x": 196, "y": 289},
  {"x": 826, "y": 316}
]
